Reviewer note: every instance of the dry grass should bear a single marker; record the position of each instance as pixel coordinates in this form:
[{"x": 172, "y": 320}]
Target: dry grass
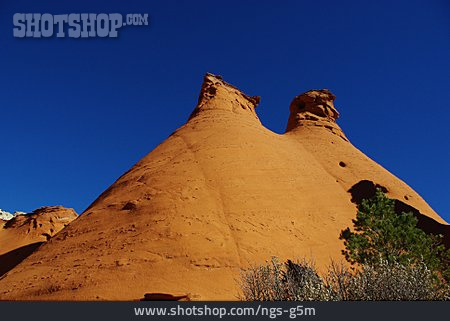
[{"x": 299, "y": 281}]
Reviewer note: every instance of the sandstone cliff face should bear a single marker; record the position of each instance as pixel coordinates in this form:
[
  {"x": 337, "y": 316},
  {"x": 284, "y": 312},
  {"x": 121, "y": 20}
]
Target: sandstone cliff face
[
  {"x": 24, "y": 233},
  {"x": 220, "y": 193}
]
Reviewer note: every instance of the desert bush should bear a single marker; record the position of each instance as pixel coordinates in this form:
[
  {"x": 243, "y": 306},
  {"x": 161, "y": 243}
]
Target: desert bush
[
  {"x": 386, "y": 281},
  {"x": 381, "y": 281},
  {"x": 303, "y": 283},
  {"x": 283, "y": 282},
  {"x": 263, "y": 282}
]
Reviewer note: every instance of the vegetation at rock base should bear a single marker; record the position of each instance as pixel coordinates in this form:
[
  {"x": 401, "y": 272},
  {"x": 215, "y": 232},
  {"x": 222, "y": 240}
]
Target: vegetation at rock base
[
  {"x": 395, "y": 260},
  {"x": 299, "y": 281}
]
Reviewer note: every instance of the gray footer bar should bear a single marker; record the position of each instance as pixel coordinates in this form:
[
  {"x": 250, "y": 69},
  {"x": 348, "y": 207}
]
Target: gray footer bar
[{"x": 362, "y": 311}]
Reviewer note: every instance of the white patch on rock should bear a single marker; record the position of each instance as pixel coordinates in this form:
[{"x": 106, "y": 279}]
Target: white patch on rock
[{"x": 6, "y": 216}]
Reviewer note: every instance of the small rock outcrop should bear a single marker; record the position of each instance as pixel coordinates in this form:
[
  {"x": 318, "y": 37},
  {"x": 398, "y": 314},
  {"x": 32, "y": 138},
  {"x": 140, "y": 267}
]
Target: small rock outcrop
[
  {"x": 216, "y": 94},
  {"x": 23, "y": 233},
  {"x": 45, "y": 220},
  {"x": 314, "y": 108}
]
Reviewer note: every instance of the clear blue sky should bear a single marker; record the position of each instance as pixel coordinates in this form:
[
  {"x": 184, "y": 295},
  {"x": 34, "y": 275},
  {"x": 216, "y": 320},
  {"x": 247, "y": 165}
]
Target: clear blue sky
[{"x": 76, "y": 113}]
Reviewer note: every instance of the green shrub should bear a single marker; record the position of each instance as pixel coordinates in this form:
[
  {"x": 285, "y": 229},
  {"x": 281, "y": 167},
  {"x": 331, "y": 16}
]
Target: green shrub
[{"x": 380, "y": 234}]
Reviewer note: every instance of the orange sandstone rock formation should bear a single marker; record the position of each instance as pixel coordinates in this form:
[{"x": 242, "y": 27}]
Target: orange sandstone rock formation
[
  {"x": 24, "y": 233},
  {"x": 220, "y": 193}
]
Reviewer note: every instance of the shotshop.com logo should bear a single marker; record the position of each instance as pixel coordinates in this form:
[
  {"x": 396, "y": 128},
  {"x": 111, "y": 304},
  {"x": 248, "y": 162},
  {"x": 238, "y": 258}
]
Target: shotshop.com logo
[{"x": 74, "y": 25}]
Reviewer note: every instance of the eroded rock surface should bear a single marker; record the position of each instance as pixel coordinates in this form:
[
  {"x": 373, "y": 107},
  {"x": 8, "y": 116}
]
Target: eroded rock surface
[
  {"x": 21, "y": 235},
  {"x": 220, "y": 193},
  {"x": 314, "y": 108}
]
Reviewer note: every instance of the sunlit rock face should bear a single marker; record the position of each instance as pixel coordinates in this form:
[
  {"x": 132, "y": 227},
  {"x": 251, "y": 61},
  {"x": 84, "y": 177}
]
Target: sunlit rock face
[
  {"x": 222, "y": 192},
  {"x": 22, "y": 234}
]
